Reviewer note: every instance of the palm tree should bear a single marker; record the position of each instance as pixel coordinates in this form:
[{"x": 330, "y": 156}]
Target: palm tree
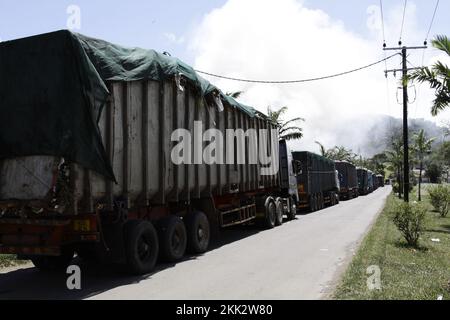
[
  {"x": 395, "y": 158},
  {"x": 437, "y": 76},
  {"x": 235, "y": 94},
  {"x": 341, "y": 153},
  {"x": 323, "y": 151},
  {"x": 422, "y": 146},
  {"x": 287, "y": 130}
]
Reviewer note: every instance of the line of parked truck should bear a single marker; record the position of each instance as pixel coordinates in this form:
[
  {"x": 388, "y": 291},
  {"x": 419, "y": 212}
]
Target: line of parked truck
[{"x": 110, "y": 192}]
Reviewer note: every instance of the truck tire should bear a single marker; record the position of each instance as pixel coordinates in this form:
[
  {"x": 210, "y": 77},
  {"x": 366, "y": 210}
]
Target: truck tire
[
  {"x": 292, "y": 210},
  {"x": 321, "y": 202},
  {"x": 172, "y": 238},
  {"x": 87, "y": 254},
  {"x": 198, "y": 232},
  {"x": 316, "y": 202},
  {"x": 52, "y": 263},
  {"x": 270, "y": 216},
  {"x": 141, "y": 246},
  {"x": 279, "y": 212},
  {"x": 312, "y": 203}
]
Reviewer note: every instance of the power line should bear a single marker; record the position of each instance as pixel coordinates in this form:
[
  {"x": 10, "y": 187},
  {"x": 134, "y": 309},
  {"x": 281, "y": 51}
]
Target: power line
[
  {"x": 403, "y": 21},
  {"x": 432, "y": 20},
  {"x": 382, "y": 24},
  {"x": 385, "y": 65},
  {"x": 297, "y": 81}
]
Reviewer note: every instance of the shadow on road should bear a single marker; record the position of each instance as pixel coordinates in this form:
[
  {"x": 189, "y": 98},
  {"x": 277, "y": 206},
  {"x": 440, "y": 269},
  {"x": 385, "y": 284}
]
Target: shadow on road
[{"x": 30, "y": 283}]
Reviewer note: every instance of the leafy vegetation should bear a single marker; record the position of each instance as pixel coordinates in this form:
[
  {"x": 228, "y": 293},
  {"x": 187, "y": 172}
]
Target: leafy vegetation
[
  {"x": 409, "y": 220},
  {"x": 437, "y": 76},
  {"x": 8, "y": 260},
  {"x": 422, "y": 146},
  {"x": 440, "y": 199},
  {"x": 287, "y": 130}
]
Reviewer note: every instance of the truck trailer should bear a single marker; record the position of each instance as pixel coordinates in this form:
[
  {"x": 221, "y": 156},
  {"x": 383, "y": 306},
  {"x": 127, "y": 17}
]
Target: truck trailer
[
  {"x": 97, "y": 158},
  {"x": 380, "y": 179},
  {"x": 316, "y": 181},
  {"x": 375, "y": 181},
  {"x": 370, "y": 181},
  {"x": 363, "y": 176},
  {"x": 348, "y": 179}
]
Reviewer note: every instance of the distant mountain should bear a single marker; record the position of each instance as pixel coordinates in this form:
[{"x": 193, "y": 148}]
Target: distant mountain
[
  {"x": 383, "y": 128},
  {"x": 363, "y": 134}
]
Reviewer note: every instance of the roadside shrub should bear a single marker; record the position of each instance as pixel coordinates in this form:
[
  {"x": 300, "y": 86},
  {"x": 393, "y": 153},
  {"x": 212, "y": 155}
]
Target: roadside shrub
[
  {"x": 440, "y": 199},
  {"x": 395, "y": 187},
  {"x": 410, "y": 220}
]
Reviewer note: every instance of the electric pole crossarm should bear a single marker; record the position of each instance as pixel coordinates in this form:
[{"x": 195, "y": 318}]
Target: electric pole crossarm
[
  {"x": 408, "y": 48},
  {"x": 398, "y": 70}
]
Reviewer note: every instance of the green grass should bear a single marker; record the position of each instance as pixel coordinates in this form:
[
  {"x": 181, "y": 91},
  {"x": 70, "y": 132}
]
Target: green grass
[
  {"x": 406, "y": 273},
  {"x": 8, "y": 260}
]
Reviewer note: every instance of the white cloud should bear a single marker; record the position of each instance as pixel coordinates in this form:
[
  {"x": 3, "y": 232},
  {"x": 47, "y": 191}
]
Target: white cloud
[
  {"x": 172, "y": 38},
  {"x": 283, "y": 39}
]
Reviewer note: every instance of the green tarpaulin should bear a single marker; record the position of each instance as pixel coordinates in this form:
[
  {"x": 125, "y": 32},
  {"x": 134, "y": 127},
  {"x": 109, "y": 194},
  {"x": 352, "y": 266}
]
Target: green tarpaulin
[{"x": 52, "y": 91}]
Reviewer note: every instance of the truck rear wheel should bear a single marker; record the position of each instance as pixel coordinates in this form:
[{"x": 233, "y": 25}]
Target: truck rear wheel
[
  {"x": 321, "y": 202},
  {"x": 313, "y": 203},
  {"x": 198, "y": 232},
  {"x": 49, "y": 263},
  {"x": 141, "y": 246},
  {"x": 172, "y": 238},
  {"x": 333, "y": 198},
  {"x": 292, "y": 209},
  {"x": 279, "y": 212},
  {"x": 270, "y": 215}
]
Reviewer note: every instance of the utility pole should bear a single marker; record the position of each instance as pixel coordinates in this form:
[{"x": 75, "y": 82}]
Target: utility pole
[{"x": 404, "y": 71}]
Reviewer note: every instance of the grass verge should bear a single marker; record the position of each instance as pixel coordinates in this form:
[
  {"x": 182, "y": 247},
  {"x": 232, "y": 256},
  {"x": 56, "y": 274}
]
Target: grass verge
[
  {"x": 9, "y": 260},
  {"x": 406, "y": 273}
]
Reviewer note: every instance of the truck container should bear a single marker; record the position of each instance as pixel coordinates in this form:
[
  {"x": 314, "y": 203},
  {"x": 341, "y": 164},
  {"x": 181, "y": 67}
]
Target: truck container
[
  {"x": 348, "y": 179},
  {"x": 87, "y": 159},
  {"x": 380, "y": 180},
  {"x": 363, "y": 186},
  {"x": 375, "y": 181},
  {"x": 370, "y": 180},
  {"x": 317, "y": 185}
]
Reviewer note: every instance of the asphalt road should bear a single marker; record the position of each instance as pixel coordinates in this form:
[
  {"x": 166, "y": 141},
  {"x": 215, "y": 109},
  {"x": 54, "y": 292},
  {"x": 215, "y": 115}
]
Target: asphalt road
[{"x": 302, "y": 259}]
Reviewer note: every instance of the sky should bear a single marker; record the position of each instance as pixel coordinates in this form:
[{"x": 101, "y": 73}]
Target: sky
[{"x": 268, "y": 40}]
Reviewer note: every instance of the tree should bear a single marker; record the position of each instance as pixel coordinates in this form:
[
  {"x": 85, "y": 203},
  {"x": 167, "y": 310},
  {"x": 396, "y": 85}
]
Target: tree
[
  {"x": 287, "y": 130},
  {"x": 376, "y": 163},
  {"x": 323, "y": 151},
  {"x": 443, "y": 154},
  {"x": 437, "y": 76},
  {"x": 434, "y": 171},
  {"x": 422, "y": 146},
  {"x": 394, "y": 157},
  {"x": 337, "y": 153},
  {"x": 235, "y": 94},
  {"x": 341, "y": 153}
]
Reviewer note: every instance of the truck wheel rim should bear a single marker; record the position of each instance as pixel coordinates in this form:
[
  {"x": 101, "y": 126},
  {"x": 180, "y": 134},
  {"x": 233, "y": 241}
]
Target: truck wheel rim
[
  {"x": 201, "y": 234},
  {"x": 176, "y": 241},
  {"x": 144, "y": 248}
]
